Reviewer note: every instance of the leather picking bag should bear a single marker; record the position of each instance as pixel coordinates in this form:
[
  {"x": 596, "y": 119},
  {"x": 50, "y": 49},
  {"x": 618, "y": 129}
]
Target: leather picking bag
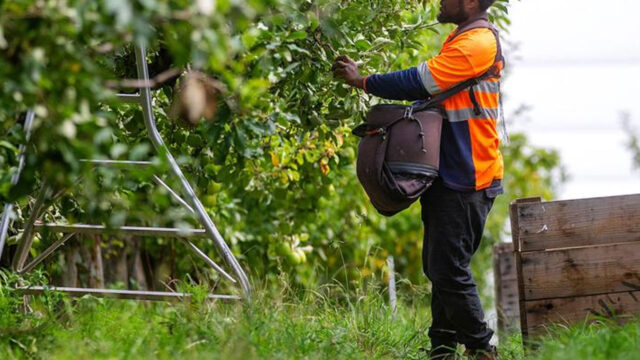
[
  {"x": 399, "y": 153},
  {"x": 398, "y": 156}
]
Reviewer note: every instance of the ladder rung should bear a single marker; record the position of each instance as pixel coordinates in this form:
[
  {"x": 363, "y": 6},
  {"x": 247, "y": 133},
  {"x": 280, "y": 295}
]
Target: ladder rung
[
  {"x": 117, "y": 163},
  {"x": 130, "y": 230},
  {"x": 121, "y": 294},
  {"x": 130, "y": 98}
]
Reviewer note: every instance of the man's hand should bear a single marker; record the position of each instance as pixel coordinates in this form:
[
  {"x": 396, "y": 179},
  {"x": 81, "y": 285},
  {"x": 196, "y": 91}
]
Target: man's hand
[{"x": 347, "y": 70}]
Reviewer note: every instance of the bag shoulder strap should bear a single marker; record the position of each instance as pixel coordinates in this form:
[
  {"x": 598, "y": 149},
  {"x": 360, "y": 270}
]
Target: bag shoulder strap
[
  {"x": 476, "y": 24},
  {"x": 481, "y": 22}
]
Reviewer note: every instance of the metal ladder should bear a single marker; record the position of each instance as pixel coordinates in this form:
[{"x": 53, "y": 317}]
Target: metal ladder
[{"x": 192, "y": 203}]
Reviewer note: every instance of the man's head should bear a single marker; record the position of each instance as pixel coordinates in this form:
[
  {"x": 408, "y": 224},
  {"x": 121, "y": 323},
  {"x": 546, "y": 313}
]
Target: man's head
[{"x": 459, "y": 11}]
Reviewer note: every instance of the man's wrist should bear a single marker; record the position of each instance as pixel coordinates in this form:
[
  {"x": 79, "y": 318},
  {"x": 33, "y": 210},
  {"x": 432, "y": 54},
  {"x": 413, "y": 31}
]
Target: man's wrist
[{"x": 359, "y": 82}]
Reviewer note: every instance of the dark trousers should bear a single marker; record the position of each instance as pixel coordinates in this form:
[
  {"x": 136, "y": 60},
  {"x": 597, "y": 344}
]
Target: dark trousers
[{"x": 453, "y": 223}]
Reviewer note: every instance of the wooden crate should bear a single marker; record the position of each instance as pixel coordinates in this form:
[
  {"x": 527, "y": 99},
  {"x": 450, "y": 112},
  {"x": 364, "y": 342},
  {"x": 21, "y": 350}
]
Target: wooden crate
[
  {"x": 506, "y": 289},
  {"x": 576, "y": 259}
]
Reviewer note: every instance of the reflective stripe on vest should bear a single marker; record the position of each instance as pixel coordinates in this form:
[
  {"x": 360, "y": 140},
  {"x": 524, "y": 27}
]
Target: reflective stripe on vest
[
  {"x": 429, "y": 83},
  {"x": 460, "y": 107},
  {"x": 427, "y": 79},
  {"x": 468, "y": 113}
]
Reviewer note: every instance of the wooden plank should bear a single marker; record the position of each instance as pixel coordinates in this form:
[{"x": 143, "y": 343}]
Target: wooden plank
[
  {"x": 622, "y": 305},
  {"x": 506, "y": 288},
  {"x": 515, "y": 233},
  {"x": 580, "y": 271},
  {"x": 509, "y": 308},
  {"x": 505, "y": 261},
  {"x": 574, "y": 223}
]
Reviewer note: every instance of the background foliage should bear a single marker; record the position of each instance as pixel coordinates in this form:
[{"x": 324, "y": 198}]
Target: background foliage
[
  {"x": 633, "y": 141},
  {"x": 275, "y": 168}
]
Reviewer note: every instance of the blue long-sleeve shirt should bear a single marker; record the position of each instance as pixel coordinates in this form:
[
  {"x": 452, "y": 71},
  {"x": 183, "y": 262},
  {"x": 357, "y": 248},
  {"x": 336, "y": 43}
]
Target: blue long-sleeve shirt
[{"x": 399, "y": 85}]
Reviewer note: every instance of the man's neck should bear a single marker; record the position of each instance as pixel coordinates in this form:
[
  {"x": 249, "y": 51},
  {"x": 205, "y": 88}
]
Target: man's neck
[{"x": 481, "y": 15}]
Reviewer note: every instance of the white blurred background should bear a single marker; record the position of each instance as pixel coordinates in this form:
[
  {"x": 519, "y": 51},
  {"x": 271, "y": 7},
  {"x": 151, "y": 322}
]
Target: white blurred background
[{"x": 576, "y": 65}]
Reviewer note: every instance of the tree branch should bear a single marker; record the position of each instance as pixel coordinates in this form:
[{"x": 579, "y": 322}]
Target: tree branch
[{"x": 153, "y": 83}]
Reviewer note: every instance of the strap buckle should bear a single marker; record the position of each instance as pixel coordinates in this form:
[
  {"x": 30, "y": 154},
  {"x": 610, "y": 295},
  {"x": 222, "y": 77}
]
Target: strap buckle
[{"x": 408, "y": 112}]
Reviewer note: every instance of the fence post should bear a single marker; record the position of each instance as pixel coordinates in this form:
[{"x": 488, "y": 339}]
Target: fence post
[{"x": 392, "y": 284}]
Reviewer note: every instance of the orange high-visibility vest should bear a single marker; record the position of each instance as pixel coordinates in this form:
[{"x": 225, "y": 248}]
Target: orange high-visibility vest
[{"x": 470, "y": 158}]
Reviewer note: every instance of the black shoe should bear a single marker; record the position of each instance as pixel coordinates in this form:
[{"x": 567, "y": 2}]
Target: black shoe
[
  {"x": 483, "y": 354},
  {"x": 440, "y": 353}
]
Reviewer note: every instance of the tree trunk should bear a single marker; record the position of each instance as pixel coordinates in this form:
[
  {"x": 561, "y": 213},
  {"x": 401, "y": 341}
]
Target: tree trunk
[
  {"x": 162, "y": 275},
  {"x": 136, "y": 267},
  {"x": 91, "y": 253},
  {"x": 115, "y": 264},
  {"x": 70, "y": 272},
  {"x": 96, "y": 272}
]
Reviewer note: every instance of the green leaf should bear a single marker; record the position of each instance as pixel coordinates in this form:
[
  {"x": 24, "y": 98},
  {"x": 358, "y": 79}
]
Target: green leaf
[
  {"x": 8, "y": 145},
  {"x": 297, "y": 35}
]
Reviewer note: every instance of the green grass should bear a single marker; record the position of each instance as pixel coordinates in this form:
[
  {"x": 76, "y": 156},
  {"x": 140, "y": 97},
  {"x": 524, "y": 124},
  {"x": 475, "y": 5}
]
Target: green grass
[
  {"x": 321, "y": 324},
  {"x": 289, "y": 324},
  {"x": 600, "y": 340}
]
